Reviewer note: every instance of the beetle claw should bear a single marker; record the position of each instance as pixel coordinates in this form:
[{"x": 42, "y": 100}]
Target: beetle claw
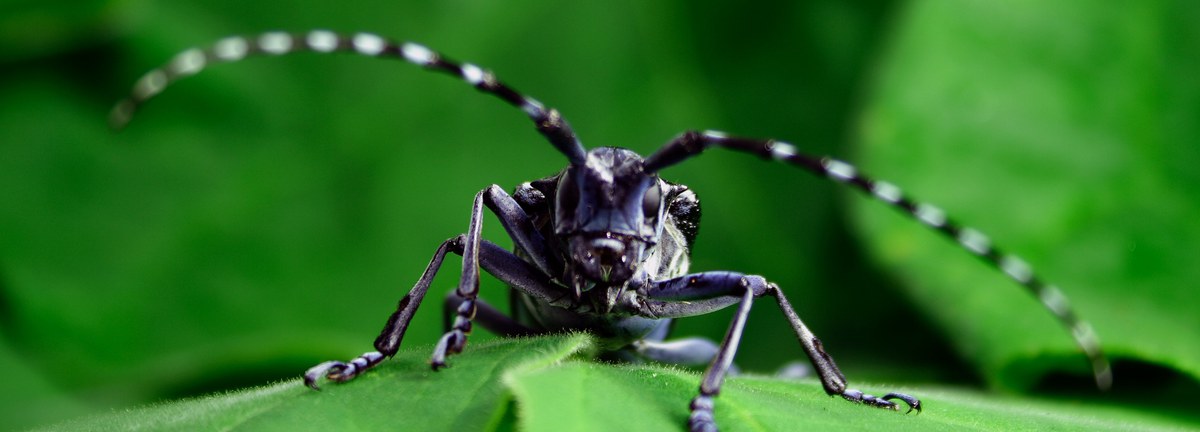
[
  {"x": 884, "y": 402},
  {"x": 330, "y": 369}
]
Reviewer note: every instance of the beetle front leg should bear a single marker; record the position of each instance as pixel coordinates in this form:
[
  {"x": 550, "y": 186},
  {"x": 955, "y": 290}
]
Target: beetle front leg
[
  {"x": 389, "y": 339},
  {"x": 468, "y": 289},
  {"x": 831, "y": 377},
  {"x": 520, "y": 228},
  {"x": 701, "y": 418},
  {"x": 707, "y": 292}
]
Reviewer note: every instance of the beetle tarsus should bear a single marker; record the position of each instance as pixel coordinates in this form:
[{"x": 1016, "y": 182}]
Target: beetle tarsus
[
  {"x": 452, "y": 342},
  {"x": 913, "y": 403},
  {"x": 701, "y": 418},
  {"x": 313, "y": 374},
  {"x": 884, "y": 402},
  {"x": 337, "y": 371}
]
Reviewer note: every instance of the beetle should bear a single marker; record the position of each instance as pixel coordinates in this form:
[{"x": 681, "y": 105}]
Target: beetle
[{"x": 603, "y": 245}]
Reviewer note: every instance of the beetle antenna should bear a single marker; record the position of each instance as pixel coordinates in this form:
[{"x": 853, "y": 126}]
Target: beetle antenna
[
  {"x": 693, "y": 143},
  {"x": 548, "y": 121}
]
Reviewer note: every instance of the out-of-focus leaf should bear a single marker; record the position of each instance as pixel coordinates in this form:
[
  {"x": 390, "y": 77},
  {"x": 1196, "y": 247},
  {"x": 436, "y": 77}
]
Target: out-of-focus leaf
[
  {"x": 38, "y": 28},
  {"x": 40, "y": 401},
  {"x": 1069, "y": 134}
]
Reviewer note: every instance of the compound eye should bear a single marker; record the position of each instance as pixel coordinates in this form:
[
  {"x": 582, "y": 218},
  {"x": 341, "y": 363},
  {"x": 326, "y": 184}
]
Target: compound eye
[
  {"x": 652, "y": 201},
  {"x": 567, "y": 198}
]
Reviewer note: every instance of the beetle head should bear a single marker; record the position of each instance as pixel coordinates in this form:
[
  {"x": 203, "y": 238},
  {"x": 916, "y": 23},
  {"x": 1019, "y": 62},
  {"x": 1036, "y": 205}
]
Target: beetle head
[{"x": 609, "y": 211}]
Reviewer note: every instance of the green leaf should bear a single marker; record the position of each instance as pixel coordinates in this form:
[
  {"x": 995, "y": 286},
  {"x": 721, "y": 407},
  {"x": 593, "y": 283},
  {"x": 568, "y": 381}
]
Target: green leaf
[
  {"x": 1068, "y": 133},
  {"x": 39, "y": 400},
  {"x": 403, "y": 391},
  {"x": 265, "y": 215},
  {"x": 553, "y": 389}
]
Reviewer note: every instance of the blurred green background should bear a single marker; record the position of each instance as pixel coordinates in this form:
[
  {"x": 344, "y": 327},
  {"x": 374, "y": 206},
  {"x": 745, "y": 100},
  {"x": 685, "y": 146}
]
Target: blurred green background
[{"x": 265, "y": 216}]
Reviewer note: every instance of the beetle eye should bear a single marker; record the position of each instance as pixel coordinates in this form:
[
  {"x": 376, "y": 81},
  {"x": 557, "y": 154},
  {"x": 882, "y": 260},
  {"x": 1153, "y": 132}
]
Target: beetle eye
[
  {"x": 567, "y": 198},
  {"x": 652, "y": 201}
]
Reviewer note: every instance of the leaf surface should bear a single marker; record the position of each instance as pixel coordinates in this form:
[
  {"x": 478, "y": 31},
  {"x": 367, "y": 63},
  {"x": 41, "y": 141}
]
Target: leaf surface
[{"x": 552, "y": 388}]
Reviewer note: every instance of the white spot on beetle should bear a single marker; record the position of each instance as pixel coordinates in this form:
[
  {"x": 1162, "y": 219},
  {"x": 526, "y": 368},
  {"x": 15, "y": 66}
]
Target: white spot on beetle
[
  {"x": 473, "y": 74},
  {"x": 150, "y": 84},
  {"x": 231, "y": 49},
  {"x": 275, "y": 43},
  {"x": 839, "y": 170},
  {"x": 1084, "y": 333},
  {"x": 533, "y": 108},
  {"x": 187, "y": 62},
  {"x": 322, "y": 40},
  {"x": 1054, "y": 300},
  {"x": 417, "y": 54},
  {"x": 368, "y": 44},
  {"x": 930, "y": 215},
  {"x": 974, "y": 241},
  {"x": 1016, "y": 268},
  {"x": 886, "y": 191},
  {"x": 782, "y": 151}
]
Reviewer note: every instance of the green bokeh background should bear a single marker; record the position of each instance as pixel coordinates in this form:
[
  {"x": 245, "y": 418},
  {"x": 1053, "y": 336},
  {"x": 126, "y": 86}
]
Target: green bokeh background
[{"x": 265, "y": 216}]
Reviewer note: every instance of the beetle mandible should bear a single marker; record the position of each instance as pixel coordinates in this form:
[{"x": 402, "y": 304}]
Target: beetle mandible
[{"x": 603, "y": 245}]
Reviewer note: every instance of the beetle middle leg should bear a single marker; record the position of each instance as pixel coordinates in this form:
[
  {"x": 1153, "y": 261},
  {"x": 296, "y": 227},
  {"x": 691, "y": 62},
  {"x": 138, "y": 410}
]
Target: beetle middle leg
[
  {"x": 705, "y": 292},
  {"x": 692, "y": 351},
  {"x": 487, "y": 316}
]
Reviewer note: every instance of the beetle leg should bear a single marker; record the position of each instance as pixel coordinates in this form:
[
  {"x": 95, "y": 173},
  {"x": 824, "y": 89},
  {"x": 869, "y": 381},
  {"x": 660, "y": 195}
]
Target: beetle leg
[
  {"x": 701, "y": 418},
  {"x": 501, "y": 263},
  {"x": 497, "y": 261},
  {"x": 831, "y": 377},
  {"x": 693, "y": 351},
  {"x": 455, "y": 340},
  {"x": 520, "y": 228},
  {"x": 702, "y": 293},
  {"x": 389, "y": 339}
]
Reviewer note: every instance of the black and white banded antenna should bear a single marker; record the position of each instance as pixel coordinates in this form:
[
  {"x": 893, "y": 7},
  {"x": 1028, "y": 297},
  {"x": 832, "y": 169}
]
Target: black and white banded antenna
[
  {"x": 190, "y": 62},
  {"x": 972, "y": 240}
]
